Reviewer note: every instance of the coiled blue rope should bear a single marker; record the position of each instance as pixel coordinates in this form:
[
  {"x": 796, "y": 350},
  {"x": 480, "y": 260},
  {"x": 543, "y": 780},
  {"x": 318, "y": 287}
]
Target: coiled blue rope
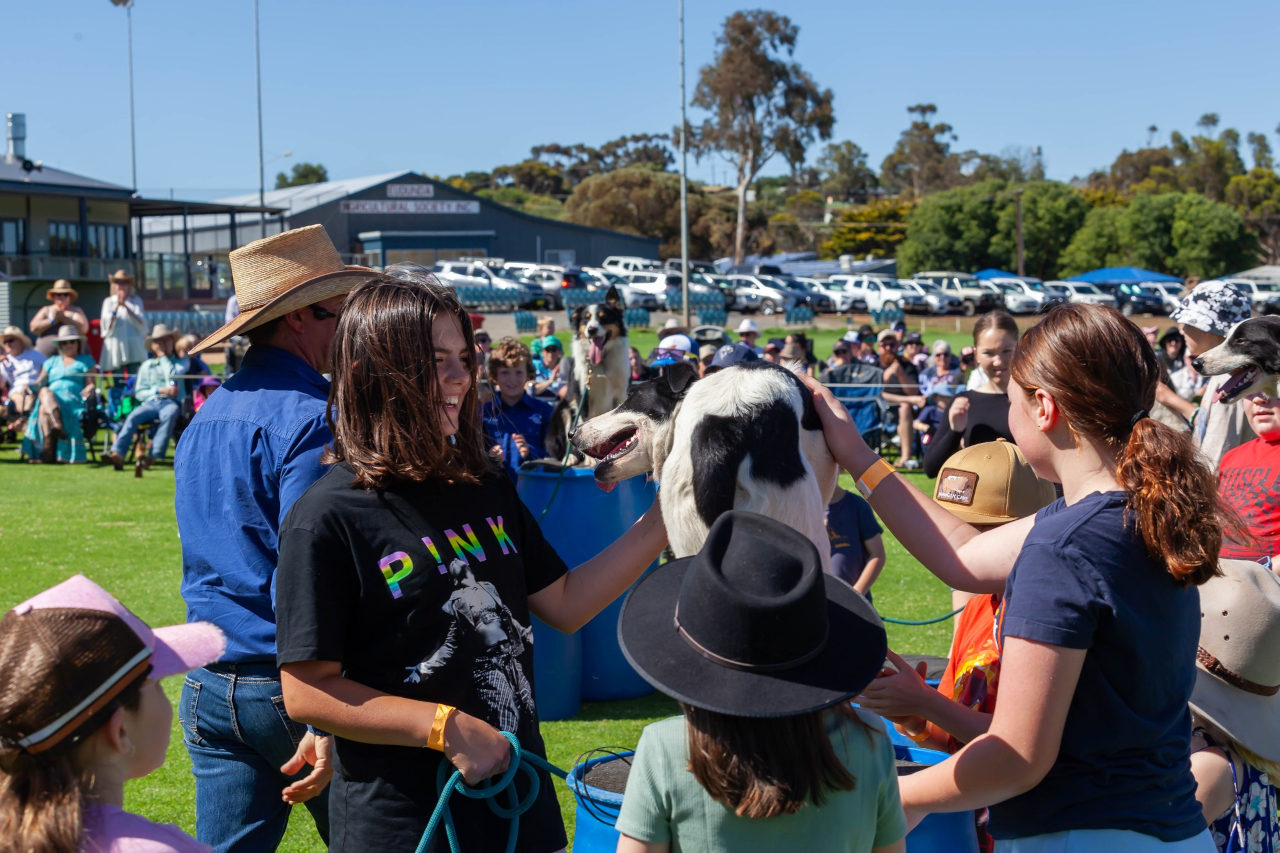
[{"x": 450, "y": 783}]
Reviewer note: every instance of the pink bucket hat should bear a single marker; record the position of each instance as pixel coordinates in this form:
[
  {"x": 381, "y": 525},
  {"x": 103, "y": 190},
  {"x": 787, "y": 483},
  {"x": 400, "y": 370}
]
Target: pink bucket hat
[{"x": 66, "y": 653}]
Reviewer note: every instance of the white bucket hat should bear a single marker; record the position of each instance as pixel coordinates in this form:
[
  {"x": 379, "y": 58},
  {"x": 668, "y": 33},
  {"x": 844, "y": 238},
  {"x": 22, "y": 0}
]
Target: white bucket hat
[{"x": 748, "y": 325}]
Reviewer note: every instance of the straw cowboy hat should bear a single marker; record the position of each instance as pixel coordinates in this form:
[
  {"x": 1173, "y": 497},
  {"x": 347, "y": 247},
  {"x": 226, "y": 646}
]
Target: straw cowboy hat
[
  {"x": 282, "y": 273},
  {"x": 61, "y": 286},
  {"x": 15, "y": 332},
  {"x": 1238, "y": 662},
  {"x": 69, "y": 333},
  {"x": 160, "y": 330},
  {"x": 121, "y": 277},
  {"x": 751, "y": 625}
]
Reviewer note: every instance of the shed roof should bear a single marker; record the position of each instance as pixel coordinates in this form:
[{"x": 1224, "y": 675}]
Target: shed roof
[{"x": 46, "y": 179}]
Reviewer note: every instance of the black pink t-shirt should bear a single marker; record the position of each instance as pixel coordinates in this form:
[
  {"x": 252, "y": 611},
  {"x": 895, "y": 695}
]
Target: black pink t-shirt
[
  {"x": 420, "y": 591},
  {"x": 1084, "y": 580}
]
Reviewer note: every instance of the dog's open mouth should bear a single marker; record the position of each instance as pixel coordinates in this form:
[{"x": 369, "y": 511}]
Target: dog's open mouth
[
  {"x": 1240, "y": 380},
  {"x": 615, "y": 446},
  {"x": 597, "y": 347}
]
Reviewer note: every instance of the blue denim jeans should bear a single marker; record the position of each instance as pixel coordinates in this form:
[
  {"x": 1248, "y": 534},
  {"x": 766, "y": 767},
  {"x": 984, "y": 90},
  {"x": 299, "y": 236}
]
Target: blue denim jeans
[
  {"x": 238, "y": 734},
  {"x": 158, "y": 408}
]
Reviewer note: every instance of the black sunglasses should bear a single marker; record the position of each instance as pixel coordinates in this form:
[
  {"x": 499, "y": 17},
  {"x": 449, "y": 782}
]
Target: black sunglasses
[{"x": 321, "y": 313}]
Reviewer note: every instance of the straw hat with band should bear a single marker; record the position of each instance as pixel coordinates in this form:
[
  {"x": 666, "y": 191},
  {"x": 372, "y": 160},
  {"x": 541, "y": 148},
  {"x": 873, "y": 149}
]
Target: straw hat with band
[
  {"x": 69, "y": 333},
  {"x": 1238, "y": 662},
  {"x": 283, "y": 273},
  {"x": 160, "y": 330},
  {"x": 991, "y": 483},
  {"x": 61, "y": 286},
  {"x": 15, "y": 332},
  {"x": 121, "y": 277},
  {"x": 751, "y": 626},
  {"x": 72, "y": 650}
]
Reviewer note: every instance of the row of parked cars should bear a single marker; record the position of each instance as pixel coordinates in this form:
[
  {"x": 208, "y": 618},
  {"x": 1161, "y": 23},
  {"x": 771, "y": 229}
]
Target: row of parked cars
[{"x": 765, "y": 289}]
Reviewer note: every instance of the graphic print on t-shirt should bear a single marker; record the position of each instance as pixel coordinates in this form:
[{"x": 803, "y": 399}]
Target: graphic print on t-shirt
[{"x": 483, "y": 631}]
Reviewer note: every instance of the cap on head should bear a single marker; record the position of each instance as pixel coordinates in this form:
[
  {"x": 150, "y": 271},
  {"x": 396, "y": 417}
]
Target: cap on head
[
  {"x": 731, "y": 355},
  {"x": 991, "y": 483},
  {"x": 1213, "y": 307}
]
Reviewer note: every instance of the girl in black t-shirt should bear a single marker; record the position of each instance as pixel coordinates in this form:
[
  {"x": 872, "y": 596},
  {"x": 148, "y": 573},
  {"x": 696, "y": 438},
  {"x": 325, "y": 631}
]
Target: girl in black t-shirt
[{"x": 407, "y": 577}]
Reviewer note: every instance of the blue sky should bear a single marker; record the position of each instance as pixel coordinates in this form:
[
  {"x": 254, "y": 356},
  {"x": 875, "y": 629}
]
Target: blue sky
[{"x": 447, "y": 87}]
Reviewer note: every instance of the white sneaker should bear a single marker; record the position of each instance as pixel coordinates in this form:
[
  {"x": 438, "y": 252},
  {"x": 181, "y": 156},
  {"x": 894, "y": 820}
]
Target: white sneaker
[
  {"x": 895, "y": 440},
  {"x": 911, "y": 464}
]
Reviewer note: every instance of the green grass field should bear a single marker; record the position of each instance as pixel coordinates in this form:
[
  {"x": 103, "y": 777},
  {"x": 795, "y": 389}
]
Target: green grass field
[{"x": 120, "y": 531}]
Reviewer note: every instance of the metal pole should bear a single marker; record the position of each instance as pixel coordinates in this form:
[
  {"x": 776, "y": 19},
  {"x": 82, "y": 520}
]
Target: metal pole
[
  {"x": 684, "y": 185},
  {"x": 133, "y": 128},
  {"x": 1017, "y": 201},
  {"x": 257, "y": 73}
]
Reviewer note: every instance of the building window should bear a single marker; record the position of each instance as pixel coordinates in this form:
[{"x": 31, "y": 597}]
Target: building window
[
  {"x": 64, "y": 238},
  {"x": 106, "y": 241},
  {"x": 13, "y": 237}
]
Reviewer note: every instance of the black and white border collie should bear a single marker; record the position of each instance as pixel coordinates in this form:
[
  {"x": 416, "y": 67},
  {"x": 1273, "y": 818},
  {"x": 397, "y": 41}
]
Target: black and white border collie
[
  {"x": 747, "y": 437},
  {"x": 600, "y": 353},
  {"x": 1251, "y": 354}
]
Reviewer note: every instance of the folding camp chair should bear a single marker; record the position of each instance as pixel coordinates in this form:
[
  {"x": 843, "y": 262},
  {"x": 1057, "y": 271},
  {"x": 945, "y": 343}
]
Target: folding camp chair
[{"x": 862, "y": 396}]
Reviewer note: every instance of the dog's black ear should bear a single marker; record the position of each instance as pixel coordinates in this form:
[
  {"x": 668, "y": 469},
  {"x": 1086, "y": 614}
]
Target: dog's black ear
[
  {"x": 612, "y": 299},
  {"x": 679, "y": 377},
  {"x": 579, "y": 314},
  {"x": 1270, "y": 362}
]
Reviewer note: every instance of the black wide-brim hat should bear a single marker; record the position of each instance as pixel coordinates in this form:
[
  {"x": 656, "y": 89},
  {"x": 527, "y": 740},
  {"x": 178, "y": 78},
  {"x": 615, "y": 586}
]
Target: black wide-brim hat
[{"x": 751, "y": 626}]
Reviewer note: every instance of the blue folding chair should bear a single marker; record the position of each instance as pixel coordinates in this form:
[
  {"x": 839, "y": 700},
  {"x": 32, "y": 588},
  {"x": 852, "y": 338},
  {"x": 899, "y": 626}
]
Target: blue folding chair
[{"x": 862, "y": 396}]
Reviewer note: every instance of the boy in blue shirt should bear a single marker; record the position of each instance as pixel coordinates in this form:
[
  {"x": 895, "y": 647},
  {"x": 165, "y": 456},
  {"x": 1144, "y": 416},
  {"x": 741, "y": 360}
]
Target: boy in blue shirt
[
  {"x": 515, "y": 423},
  {"x": 857, "y": 547}
]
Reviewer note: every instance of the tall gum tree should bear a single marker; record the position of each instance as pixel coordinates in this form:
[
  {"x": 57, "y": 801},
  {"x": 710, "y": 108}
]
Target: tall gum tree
[{"x": 761, "y": 103}]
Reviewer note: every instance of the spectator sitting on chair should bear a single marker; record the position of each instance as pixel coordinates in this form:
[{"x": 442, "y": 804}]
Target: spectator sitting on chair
[
  {"x": 913, "y": 350},
  {"x": 124, "y": 325},
  {"x": 773, "y": 351},
  {"x": 546, "y": 326},
  {"x": 19, "y": 369},
  {"x": 640, "y": 372},
  {"x": 841, "y": 357},
  {"x": 901, "y": 388},
  {"x": 933, "y": 415},
  {"x": 551, "y": 378},
  {"x": 159, "y": 393},
  {"x": 58, "y": 313},
  {"x": 53, "y": 431},
  {"x": 941, "y": 370}
]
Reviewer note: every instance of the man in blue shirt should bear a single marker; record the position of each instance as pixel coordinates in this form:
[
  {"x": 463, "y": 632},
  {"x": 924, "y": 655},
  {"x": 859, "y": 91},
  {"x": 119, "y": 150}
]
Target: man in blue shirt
[
  {"x": 515, "y": 423},
  {"x": 159, "y": 395},
  {"x": 249, "y": 453}
]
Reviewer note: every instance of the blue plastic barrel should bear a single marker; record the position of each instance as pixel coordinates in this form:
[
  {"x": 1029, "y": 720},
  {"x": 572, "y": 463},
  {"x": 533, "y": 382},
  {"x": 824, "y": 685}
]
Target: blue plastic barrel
[
  {"x": 597, "y": 810},
  {"x": 584, "y": 520},
  {"x": 952, "y": 832},
  {"x": 557, "y": 672}
]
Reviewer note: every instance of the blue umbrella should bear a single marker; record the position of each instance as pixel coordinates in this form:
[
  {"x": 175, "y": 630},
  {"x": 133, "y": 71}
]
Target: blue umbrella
[{"x": 1122, "y": 275}]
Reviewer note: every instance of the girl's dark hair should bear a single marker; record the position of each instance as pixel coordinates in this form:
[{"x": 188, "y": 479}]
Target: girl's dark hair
[
  {"x": 42, "y": 796},
  {"x": 1102, "y": 373},
  {"x": 384, "y": 400},
  {"x": 1001, "y": 320},
  {"x": 764, "y": 767}
]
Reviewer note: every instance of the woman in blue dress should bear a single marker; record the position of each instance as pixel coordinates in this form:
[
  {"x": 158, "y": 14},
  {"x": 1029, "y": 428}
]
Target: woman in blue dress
[{"x": 53, "y": 431}]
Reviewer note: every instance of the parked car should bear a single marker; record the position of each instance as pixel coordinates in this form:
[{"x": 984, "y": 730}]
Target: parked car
[
  {"x": 526, "y": 294},
  {"x": 602, "y": 279},
  {"x": 1134, "y": 297},
  {"x": 546, "y": 276},
  {"x": 935, "y": 300},
  {"x": 1171, "y": 292},
  {"x": 881, "y": 292},
  {"x": 630, "y": 263},
  {"x": 1027, "y": 295},
  {"x": 843, "y": 301},
  {"x": 673, "y": 265},
  {"x": 657, "y": 283},
  {"x": 772, "y": 298},
  {"x": 817, "y": 300},
  {"x": 974, "y": 298},
  {"x": 1083, "y": 293},
  {"x": 733, "y": 300}
]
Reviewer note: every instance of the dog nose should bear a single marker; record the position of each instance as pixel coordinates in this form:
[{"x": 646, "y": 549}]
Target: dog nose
[
  {"x": 572, "y": 433},
  {"x": 1198, "y": 364}
]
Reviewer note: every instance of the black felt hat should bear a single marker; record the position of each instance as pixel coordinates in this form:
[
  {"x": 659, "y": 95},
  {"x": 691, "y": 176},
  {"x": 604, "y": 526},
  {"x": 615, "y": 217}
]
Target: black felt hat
[{"x": 751, "y": 626}]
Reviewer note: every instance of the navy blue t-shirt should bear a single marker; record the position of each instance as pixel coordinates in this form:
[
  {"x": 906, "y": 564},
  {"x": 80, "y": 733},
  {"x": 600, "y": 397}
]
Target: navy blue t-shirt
[
  {"x": 528, "y": 417},
  {"x": 1085, "y": 581},
  {"x": 850, "y": 522}
]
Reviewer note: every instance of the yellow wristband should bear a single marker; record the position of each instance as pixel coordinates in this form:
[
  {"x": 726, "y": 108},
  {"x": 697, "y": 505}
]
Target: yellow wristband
[
  {"x": 870, "y": 478},
  {"x": 919, "y": 739},
  {"x": 436, "y": 739}
]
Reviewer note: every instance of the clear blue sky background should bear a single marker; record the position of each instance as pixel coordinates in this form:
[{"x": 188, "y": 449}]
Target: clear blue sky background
[{"x": 446, "y": 87}]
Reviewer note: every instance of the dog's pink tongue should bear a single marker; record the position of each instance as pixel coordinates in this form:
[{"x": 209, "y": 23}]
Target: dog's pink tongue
[
  {"x": 597, "y": 351},
  {"x": 608, "y": 487}
]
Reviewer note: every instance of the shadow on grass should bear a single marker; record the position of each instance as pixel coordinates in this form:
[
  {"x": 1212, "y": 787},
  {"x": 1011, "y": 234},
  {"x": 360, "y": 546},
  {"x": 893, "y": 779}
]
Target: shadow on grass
[{"x": 642, "y": 708}]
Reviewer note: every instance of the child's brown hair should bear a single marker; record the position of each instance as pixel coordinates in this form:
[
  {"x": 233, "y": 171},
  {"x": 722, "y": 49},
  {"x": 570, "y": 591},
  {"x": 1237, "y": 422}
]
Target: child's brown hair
[{"x": 509, "y": 352}]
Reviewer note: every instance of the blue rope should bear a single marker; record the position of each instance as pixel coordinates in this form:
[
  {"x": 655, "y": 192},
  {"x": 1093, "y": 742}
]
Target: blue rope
[
  {"x": 943, "y": 618},
  {"x": 448, "y": 784}
]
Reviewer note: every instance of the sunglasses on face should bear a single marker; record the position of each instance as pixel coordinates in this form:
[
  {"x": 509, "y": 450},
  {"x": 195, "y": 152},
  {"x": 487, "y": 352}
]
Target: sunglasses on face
[
  {"x": 321, "y": 313},
  {"x": 664, "y": 352},
  {"x": 839, "y": 352}
]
